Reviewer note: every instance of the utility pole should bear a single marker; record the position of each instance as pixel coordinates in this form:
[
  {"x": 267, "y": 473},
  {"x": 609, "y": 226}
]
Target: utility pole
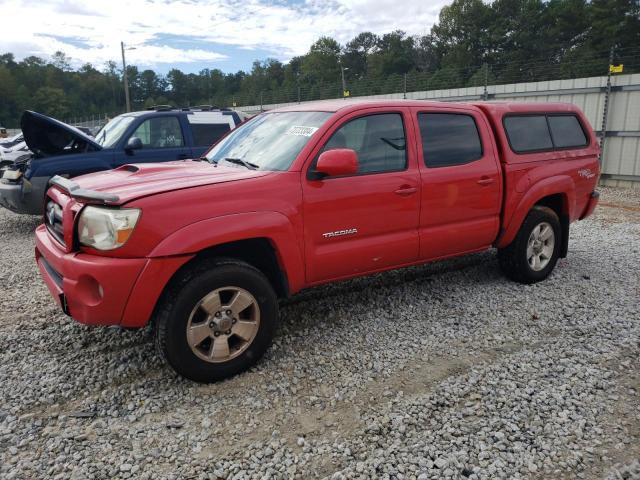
[{"x": 124, "y": 76}]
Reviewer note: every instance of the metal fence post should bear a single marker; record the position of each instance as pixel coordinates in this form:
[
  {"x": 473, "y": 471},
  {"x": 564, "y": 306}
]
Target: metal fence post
[
  {"x": 605, "y": 110},
  {"x": 404, "y": 91},
  {"x": 485, "y": 94}
]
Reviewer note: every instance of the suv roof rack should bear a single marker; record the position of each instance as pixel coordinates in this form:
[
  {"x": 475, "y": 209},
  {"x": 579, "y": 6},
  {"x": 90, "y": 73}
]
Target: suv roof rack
[
  {"x": 198, "y": 108},
  {"x": 161, "y": 108},
  {"x": 202, "y": 108}
]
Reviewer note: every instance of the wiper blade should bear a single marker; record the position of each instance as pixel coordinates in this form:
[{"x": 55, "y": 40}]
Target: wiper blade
[{"x": 239, "y": 161}]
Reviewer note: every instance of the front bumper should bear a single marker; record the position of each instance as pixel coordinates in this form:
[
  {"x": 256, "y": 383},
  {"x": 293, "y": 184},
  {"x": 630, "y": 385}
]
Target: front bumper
[
  {"x": 22, "y": 197},
  {"x": 11, "y": 196},
  {"x": 92, "y": 289},
  {"x": 97, "y": 290}
]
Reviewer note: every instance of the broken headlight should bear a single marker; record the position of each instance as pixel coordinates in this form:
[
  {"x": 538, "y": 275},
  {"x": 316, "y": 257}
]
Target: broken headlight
[{"x": 11, "y": 174}]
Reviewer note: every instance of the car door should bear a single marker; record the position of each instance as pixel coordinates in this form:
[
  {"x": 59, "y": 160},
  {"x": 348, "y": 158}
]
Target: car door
[
  {"x": 367, "y": 221},
  {"x": 461, "y": 181},
  {"x": 162, "y": 140}
]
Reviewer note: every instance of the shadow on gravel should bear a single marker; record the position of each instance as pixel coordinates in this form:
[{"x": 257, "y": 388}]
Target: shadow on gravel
[
  {"x": 84, "y": 363},
  {"x": 421, "y": 274}
]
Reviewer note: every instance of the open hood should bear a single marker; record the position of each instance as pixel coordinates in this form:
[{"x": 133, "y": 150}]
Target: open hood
[
  {"x": 129, "y": 182},
  {"x": 46, "y": 136}
]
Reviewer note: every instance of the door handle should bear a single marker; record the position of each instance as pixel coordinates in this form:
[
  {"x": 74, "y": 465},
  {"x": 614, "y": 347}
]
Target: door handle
[
  {"x": 484, "y": 181},
  {"x": 406, "y": 190}
]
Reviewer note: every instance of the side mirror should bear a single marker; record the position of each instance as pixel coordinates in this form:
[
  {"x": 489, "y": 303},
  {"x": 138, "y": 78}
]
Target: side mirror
[
  {"x": 134, "y": 143},
  {"x": 340, "y": 161}
]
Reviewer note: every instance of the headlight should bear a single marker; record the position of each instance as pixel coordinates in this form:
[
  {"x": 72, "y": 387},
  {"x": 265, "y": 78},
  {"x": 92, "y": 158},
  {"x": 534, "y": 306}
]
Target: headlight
[
  {"x": 106, "y": 228},
  {"x": 11, "y": 174}
]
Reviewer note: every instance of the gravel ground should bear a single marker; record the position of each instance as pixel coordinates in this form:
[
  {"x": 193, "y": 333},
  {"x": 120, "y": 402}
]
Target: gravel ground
[{"x": 443, "y": 371}]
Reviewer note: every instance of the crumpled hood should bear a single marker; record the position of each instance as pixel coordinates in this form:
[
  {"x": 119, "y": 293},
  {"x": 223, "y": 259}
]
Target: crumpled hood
[{"x": 133, "y": 181}]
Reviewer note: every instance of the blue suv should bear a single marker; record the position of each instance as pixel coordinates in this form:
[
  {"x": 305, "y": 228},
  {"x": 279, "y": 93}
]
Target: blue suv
[{"x": 157, "y": 135}]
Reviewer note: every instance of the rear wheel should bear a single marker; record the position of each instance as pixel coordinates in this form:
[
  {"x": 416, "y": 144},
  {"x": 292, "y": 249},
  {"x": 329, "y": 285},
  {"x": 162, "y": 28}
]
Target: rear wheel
[
  {"x": 216, "y": 320},
  {"x": 533, "y": 254}
]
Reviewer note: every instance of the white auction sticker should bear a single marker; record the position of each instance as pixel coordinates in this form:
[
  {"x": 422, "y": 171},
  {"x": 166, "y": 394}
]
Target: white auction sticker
[{"x": 301, "y": 131}]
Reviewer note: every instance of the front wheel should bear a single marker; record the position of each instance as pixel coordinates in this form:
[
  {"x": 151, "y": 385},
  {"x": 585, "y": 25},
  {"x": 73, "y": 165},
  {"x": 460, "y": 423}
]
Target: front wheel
[
  {"x": 534, "y": 252},
  {"x": 216, "y": 320}
]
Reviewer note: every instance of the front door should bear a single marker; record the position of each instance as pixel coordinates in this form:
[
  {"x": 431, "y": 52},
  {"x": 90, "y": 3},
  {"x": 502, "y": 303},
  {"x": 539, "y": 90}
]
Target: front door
[
  {"x": 367, "y": 221},
  {"x": 461, "y": 182},
  {"x": 162, "y": 141}
]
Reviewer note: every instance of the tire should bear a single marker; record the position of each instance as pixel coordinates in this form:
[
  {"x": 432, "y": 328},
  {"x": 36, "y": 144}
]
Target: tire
[
  {"x": 192, "y": 301},
  {"x": 517, "y": 260}
]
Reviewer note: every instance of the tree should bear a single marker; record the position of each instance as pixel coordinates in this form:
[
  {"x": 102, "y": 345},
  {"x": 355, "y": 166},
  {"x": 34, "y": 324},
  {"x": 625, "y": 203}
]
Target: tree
[
  {"x": 321, "y": 63},
  {"x": 614, "y": 23},
  {"x": 461, "y": 35},
  {"x": 52, "y": 102},
  {"x": 394, "y": 54},
  {"x": 61, "y": 61},
  {"x": 357, "y": 52},
  {"x": 520, "y": 40},
  {"x": 150, "y": 84}
]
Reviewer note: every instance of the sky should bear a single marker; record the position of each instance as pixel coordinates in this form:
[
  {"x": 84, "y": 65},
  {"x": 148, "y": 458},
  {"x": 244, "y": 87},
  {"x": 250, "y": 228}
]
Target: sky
[{"x": 196, "y": 34}]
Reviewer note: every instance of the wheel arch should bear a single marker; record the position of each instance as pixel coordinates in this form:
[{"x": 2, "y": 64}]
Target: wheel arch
[
  {"x": 259, "y": 252},
  {"x": 556, "y": 193},
  {"x": 266, "y": 240}
]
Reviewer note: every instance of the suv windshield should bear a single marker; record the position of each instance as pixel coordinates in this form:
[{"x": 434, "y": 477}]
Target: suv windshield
[
  {"x": 109, "y": 135},
  {"x": 270, "y": 141}
]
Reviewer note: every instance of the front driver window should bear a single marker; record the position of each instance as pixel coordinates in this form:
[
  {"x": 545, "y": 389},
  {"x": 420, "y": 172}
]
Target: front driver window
[
  {"x": 378, "y": 140},
  {"x": 160, "y": 132}
]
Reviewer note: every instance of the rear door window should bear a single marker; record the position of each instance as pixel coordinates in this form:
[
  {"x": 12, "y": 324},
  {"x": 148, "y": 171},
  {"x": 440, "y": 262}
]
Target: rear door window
[
  {"x": 566, "y": 131},
  {"x": 206, "y": 134},
  {"x": 528, "y": 133},
  {"x": 449, "y": 139}
]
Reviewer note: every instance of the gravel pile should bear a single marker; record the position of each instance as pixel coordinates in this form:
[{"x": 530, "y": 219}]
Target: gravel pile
[{"x": 442, "y": 371}]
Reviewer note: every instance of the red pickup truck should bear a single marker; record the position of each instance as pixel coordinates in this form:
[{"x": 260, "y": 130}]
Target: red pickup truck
[{"x": 307, "y": 195}]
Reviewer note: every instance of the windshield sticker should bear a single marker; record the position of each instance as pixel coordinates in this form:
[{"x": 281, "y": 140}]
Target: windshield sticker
[{"x": 301, "y": 131}]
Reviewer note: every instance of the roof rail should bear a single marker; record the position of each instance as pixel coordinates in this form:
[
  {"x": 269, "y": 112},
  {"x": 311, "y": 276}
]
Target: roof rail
[
  {"x": 161, "y": 108},
  {"x": 201, "y": 108}
]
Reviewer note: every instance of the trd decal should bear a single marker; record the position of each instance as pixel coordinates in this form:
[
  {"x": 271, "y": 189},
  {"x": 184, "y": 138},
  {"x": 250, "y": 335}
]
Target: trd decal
[{"x": 586, "y": 173}]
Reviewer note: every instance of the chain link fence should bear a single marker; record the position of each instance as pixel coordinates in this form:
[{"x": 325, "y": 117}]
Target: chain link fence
[{"x": 483, "y": 75}]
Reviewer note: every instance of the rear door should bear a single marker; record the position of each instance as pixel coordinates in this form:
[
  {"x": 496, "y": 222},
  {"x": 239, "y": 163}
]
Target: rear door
[
  {"x": 367, "y": 221},
  {"x": 163, "y": 140},
  {"x": 207, "y": 128},
  {"x": 461, "y": 181}
]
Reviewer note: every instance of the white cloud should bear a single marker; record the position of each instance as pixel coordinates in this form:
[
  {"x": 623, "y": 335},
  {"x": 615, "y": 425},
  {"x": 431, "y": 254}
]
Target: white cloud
[{"x": 91, "y": 30}]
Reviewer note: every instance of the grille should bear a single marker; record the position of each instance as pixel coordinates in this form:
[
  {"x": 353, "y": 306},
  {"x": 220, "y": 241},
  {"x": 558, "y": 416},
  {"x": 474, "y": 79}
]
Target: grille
[{"x": 53, "y": 220}]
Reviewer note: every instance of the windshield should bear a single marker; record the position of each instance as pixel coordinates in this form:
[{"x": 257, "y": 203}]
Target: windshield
[
  {"x": 109, "y": 135},
  {"x": 270, "y": 141}
]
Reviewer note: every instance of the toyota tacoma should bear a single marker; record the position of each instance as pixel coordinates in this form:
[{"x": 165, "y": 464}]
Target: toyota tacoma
[{"x": 305, "y": 195}]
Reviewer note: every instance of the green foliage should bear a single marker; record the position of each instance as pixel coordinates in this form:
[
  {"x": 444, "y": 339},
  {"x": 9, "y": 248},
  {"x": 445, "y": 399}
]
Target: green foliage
[
  {"x": 51, "y": 101},
  {"x": 518, "y": 40}
]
